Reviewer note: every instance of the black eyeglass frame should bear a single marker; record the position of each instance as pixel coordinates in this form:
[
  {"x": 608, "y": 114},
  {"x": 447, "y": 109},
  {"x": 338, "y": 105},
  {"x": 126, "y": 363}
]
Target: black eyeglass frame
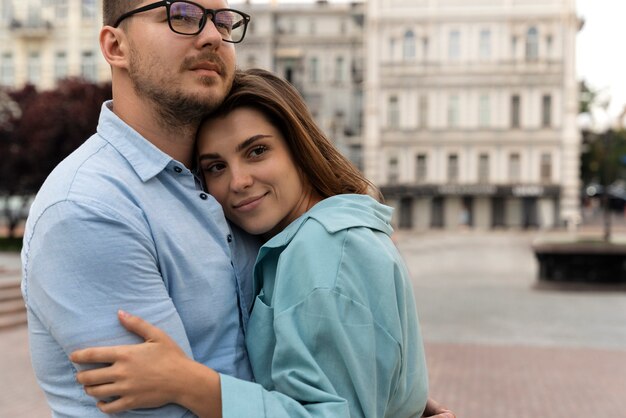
[{"x": 206, "y": 12}]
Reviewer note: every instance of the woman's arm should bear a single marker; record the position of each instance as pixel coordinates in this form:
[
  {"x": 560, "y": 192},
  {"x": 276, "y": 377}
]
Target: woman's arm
[
  {"x": 158, "y": 372},
  {"x": 147, "y": 375}
]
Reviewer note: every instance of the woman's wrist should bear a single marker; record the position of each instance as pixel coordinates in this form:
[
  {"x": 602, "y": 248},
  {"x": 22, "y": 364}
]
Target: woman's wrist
[{"x": 201, "y": 391}]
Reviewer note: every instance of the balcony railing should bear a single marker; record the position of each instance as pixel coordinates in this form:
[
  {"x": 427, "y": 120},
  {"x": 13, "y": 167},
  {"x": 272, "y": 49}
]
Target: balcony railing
[{"x": 31, "y": 28}]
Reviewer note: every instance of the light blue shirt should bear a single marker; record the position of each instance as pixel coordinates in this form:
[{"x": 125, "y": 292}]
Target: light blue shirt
[
  {"x": 121, "y": 225},
  {"x": 334, "y": 330}
]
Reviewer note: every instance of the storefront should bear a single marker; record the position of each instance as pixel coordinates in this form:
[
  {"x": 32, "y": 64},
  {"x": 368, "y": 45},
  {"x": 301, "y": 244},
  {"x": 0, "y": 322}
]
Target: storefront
[{"x": 474, "y": 206}]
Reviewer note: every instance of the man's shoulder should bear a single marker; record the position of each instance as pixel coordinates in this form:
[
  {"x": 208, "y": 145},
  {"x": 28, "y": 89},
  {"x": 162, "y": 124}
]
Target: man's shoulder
[{"x": 93, "y": 172}]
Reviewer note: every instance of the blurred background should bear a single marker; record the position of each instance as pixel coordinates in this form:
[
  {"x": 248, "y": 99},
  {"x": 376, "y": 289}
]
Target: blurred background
[{"x": 495, "y": 128}]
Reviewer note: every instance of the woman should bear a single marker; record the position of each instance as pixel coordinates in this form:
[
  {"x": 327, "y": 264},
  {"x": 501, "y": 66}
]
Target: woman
[{"x": 333, "y": 331}]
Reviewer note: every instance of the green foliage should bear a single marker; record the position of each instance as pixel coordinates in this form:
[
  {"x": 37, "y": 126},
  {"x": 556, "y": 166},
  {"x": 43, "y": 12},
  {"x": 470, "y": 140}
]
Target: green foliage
[{"x": 10, "y": 244}]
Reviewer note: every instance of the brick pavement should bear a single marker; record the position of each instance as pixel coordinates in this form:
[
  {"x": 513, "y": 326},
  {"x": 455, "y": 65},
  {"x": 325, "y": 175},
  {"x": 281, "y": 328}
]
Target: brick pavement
[
  {"x": 20, "y": 396},
  {"x": 477, "y": 369},
  {"x": 485, "y": 381}
]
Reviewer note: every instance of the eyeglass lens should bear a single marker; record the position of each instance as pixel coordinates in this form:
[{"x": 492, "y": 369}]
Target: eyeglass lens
[{"x": 187, "y": 18}]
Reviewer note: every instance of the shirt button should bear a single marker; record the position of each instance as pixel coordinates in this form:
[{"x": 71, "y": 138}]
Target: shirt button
[
  {"x": 178, "y": 169},
  {"x": 203, "y": 196},
  {"x": 229, "y": 238}
]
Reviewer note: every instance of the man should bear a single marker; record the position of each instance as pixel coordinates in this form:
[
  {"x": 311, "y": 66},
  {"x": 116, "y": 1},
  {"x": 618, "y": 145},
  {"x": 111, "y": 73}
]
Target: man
[{"x": 122, "y": 222}]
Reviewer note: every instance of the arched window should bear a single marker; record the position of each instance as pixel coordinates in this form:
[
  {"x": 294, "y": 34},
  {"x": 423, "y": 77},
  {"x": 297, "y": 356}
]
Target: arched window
[
  {"x": 532, "y": 44},
  {"x": 408, "y": 51}
]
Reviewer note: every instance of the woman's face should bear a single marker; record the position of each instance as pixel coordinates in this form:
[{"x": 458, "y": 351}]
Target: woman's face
[{"x": 249, "y": 170}]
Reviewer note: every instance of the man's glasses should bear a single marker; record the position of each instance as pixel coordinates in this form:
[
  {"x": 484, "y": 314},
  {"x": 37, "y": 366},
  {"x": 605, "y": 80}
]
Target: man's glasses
[{"x": 189, "y": 18}]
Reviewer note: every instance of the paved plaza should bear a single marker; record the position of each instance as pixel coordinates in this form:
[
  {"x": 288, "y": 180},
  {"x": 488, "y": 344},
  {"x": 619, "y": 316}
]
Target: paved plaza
[{"x": 498, "y": 344}]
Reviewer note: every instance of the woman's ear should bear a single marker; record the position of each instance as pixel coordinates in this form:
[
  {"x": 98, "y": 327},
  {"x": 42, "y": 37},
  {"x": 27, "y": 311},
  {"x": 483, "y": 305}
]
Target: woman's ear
[{"x": 114, "y": 46}]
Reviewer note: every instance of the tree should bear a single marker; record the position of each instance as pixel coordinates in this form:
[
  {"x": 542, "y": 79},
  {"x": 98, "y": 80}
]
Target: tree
[{"x": 50, "y": 126}]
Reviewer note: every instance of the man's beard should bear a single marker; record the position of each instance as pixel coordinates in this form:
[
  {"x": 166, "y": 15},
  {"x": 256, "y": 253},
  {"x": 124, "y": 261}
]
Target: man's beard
[{"x": 175, "y": 108}]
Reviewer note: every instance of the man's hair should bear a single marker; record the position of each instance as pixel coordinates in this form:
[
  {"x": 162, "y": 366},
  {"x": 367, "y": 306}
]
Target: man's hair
[
  {"x": 321, "y": 164},
  {"x": 113, "y": 9}
]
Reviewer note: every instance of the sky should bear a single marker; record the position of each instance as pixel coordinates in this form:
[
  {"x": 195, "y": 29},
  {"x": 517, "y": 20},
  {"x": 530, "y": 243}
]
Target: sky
[{"x": 600, "y": 56}]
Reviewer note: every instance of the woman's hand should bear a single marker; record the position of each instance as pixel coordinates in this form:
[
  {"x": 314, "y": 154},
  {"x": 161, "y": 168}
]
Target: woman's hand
[
  {"x": 434, "y": 410},
  {"x": 146, "y": 375}
]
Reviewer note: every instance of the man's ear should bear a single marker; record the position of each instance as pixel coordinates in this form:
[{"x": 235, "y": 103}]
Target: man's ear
[{"x": 114, "y": 46}]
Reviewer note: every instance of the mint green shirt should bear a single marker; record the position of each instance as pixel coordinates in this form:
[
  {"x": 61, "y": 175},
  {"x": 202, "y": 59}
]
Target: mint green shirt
[{"x": 334, "y": 330}]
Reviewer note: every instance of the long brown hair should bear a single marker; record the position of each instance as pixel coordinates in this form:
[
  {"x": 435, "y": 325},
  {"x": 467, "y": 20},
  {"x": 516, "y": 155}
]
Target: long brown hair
[{"x": 323, "y": 166}]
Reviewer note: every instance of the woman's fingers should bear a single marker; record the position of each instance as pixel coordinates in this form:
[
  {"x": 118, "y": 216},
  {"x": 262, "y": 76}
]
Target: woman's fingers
[
  {"x": 138, "y": 326},
  {"x": 105, "y": 391},
  {"x": 96, "y": 376},
  {"x": 96, "y": 355}
]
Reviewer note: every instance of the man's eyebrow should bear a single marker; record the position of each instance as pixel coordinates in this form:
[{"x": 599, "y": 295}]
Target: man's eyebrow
[{"x": 240, "y": 147}]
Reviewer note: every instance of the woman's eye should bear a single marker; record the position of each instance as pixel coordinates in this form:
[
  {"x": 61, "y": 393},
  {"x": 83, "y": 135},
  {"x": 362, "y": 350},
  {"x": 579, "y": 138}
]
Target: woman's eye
[
  {"x": 257, "y": 151},
  {"x": 215, "y": 167}
]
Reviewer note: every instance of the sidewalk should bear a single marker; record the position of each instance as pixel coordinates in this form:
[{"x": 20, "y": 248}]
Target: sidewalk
[{"x": 497, "y": 345}]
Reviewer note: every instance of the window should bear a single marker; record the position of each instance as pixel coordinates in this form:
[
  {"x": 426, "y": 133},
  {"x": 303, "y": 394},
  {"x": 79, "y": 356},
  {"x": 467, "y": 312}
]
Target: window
[
  {"x": 60, "y": 66},
  {"x": 546, "y": 111},
  {"x": 484, "y": 111},
  {"x": 549, "y": 43},
  {"x": 88, "y": 9},
  {"x": 423, "y": 111},
  {"x": 88, "y": 66},
  {"x": 453, "y": 111},
  {"x": 251, "y": 61},
  {"x": 61, "y": 10},
  {"x": 425, "y": 43},
  {"x": 514, "y": 168},
  {"x": 409, "y": 45},
  {"x": 483, "y": 168},
  {"x": 314, "y": 70},
  {"x": 515, "y": 111},
  {"x": 545, "y": 170},
  {"x": 393, "y": 112},
  {"x": 513, "y": 48},
  {"x": 421, "y": 168},
  {"x": 392, "y": 173},
  {"x": 7, "y": 70},
  {"x": 454, "y": 45},
  {"x": 6, "y": 10},
  {"x": 453, "y": 168},
  {"x": 312, "y": 27},
  {"x": 485, "y": 44},
  {"x": 532, "y": 44},
  {"x": 392, "y": 49},
  {"x": 34, "y": 68},
  {"x": 339, "y": 70}
]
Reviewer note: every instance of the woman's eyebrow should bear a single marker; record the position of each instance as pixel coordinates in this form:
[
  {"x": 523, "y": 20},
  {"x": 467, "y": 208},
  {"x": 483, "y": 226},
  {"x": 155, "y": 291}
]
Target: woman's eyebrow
[
  {"x": 251, "y": 141},
  {"x": 240, "y": 147}
]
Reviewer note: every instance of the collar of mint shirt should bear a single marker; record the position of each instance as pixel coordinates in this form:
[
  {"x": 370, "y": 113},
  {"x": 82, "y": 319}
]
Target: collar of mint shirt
[
  {"x": 335, "y": 213},
  {"x": 348, "y": 211}
]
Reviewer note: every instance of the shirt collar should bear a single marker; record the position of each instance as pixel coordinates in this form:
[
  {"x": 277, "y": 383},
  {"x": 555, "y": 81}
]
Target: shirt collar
[
  {"x": 146, "y": 159},
  {"x": 337, "y": 213}
]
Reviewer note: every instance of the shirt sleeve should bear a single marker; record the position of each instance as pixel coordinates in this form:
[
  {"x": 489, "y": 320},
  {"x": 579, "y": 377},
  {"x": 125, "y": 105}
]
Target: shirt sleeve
[
  {"x": 331, "y": 357},
  {"x": 81, "y": 264}
]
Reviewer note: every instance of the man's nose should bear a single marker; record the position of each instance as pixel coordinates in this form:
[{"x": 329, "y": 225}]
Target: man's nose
[{"x": 209, "y": 36}]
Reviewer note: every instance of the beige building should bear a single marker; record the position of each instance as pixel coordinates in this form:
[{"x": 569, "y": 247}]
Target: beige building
[
  {"x": 464, "y": 112},
  {"x": 471, "y": 111},
  {"x": 319, "y": 48},
  {"x": 43, "y": 41}
]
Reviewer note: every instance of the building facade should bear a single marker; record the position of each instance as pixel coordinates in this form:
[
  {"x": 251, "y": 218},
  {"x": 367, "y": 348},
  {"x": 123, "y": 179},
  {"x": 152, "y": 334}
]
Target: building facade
[
  {"x": 471, "y": 111},
  {"x": 463, "y": 112},
  {"x": 318, "y": 47},
  {"x": 43, "y": 41}
]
